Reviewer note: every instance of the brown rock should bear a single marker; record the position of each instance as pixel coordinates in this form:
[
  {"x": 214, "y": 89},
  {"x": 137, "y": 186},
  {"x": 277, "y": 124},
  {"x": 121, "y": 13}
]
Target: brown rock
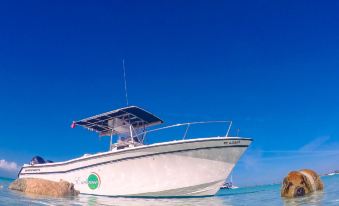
[{"x": 44, "y": 187}]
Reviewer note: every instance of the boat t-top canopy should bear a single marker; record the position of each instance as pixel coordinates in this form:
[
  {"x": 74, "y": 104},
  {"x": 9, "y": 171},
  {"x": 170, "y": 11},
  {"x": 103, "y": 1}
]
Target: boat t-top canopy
[{"x": 119, "y": 121}]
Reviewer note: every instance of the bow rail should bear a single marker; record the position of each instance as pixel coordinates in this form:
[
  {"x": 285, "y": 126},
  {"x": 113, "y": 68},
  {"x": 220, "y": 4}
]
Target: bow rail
[{"x": 136, "y": 137}]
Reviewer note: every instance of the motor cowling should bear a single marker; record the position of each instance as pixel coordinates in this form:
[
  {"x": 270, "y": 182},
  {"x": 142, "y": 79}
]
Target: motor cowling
[{"x": 37, "y": 160}]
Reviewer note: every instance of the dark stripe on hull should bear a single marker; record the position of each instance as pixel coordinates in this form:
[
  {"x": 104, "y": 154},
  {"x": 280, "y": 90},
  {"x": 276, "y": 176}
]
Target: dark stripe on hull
[
  {"x": 128, "y": 158},
  {"x": 147, "y": 197}
]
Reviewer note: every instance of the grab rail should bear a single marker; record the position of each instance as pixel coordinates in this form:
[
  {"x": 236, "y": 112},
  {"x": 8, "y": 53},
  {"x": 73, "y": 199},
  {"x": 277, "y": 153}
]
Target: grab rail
[{"x": 188, "y": 124}]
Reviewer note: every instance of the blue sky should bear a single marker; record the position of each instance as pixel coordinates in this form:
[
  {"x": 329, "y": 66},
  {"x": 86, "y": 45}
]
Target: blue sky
[{"x": 270, "y": 66}]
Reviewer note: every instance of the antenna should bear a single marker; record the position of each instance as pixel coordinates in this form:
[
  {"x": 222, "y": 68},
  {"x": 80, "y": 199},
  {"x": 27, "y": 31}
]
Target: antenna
[{"x": 123, "y": 66}]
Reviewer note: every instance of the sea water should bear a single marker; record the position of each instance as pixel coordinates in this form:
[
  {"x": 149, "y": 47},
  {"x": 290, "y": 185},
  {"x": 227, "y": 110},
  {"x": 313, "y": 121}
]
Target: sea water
[{"x": 258, "y": 195}]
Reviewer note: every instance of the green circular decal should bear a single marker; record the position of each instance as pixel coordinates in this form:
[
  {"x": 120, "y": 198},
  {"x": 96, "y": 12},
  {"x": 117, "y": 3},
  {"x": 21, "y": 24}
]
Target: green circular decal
[{"x": 93, "y": 181}]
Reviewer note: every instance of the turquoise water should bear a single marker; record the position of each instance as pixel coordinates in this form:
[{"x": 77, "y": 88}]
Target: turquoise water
[{"x": 260, "y": 195}]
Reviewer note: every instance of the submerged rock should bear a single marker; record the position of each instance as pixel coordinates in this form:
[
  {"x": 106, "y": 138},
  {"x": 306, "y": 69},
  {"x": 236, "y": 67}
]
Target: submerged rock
[{"x": 44, "y": 187}]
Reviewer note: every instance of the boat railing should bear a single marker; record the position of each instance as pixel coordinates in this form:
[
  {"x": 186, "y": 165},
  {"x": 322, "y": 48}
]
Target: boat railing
[{"x": 187, "y": 125}]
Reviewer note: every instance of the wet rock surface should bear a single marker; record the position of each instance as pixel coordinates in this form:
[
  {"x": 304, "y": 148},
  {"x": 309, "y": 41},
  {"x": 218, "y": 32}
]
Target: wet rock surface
[{"x": 44, "y": 187}]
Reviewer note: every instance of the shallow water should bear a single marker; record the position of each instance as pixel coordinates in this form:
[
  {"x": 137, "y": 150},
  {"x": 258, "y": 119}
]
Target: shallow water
[{"x": 260, "y": 195}]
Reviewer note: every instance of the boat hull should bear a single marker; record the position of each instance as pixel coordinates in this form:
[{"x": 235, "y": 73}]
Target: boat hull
[{"x": 180, "y": 168}]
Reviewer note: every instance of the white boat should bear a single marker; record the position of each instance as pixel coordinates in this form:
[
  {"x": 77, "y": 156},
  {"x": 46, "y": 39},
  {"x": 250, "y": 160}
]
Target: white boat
[
  {"x": 229, "y": 185},
  {"x": 186, "y": 167},
  {"x": 331, "y": 174}
]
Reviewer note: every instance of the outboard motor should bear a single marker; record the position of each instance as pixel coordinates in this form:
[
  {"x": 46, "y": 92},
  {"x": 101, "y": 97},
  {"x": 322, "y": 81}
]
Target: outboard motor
[{"x": 37, "y": 160}]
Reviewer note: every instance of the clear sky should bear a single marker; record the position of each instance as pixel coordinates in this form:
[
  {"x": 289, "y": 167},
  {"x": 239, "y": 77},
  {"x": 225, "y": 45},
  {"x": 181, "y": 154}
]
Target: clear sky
[{"x": 270, "y": 66}]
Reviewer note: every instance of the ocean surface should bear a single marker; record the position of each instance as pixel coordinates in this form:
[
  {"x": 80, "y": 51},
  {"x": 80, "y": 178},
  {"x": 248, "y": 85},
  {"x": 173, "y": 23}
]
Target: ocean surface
[{"x": 259, "y": 195}]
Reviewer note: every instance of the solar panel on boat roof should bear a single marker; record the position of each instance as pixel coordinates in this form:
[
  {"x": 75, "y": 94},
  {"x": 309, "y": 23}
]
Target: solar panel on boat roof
[{"x": 132, "y": 115}]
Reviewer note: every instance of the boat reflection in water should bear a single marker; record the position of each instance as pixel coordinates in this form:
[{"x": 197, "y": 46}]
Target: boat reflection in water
[{"x": 93, "y": 200}]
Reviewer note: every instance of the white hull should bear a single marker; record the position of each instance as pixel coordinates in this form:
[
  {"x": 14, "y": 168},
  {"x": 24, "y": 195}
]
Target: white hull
[{"x": 196, "y": 167}]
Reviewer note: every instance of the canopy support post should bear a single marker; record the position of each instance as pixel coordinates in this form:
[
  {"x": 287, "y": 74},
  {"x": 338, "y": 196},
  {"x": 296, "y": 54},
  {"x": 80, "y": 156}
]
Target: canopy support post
[
  {"x": 131, "y": 133},
  {"x": 111, "y": 141}
]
